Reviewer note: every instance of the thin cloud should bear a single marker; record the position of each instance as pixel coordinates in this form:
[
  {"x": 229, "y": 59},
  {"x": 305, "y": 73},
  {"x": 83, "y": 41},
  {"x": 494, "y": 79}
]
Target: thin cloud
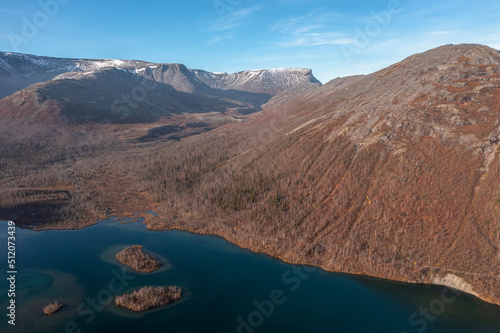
[
  {"x": 439, "y": 33},
  {"x": 233, "y": 20},
  {"x": 236, "y": 18},
  {"x": 315, "y": 19},
  {"x": 219, "y": 38},
  {"x": 318, "y": 39},
  {"x": 312, "y": 29}
]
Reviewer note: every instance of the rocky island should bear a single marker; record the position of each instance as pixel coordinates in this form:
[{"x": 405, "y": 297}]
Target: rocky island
[
  {"x": 149, "y": 297},
  {"x": 134, "y": 257},
  {"x": 52, "y": 308}
]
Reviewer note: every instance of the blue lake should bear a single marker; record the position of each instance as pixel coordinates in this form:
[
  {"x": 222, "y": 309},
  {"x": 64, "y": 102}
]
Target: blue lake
[{"x": 225, "y": 289}]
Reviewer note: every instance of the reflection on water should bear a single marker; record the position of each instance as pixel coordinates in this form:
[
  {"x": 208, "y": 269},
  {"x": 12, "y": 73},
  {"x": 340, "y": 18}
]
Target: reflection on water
[{"x": 228, "y": 289}]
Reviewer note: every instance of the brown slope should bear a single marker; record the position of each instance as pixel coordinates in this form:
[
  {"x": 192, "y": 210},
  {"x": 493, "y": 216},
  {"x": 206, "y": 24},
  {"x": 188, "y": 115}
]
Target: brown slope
[{"x": 393, "y": 174}]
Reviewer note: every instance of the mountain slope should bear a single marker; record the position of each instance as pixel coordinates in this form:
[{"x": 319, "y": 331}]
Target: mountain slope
[{"x": 394, "y": 174}]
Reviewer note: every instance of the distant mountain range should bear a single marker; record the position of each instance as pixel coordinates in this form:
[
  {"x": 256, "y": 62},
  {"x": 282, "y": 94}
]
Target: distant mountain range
[{"x": 85, "y": 90}]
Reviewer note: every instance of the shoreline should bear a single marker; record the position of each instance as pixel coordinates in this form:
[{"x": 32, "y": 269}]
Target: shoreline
[
  {"x": 255, "y": 250},
  {"x": 353, "y": 274}
]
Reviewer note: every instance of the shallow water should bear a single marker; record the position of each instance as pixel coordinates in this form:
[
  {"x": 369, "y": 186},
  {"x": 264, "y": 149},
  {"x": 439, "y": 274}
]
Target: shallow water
[{"x": 226, "y": 289}]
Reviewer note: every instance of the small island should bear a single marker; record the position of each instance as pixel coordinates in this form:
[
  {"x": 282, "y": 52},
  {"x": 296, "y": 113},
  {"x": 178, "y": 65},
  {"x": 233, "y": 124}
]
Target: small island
[
  {"x": 52, "y": 308},
  {"x": 134, "y": 257},
  {"x": 149, "y": 297}
]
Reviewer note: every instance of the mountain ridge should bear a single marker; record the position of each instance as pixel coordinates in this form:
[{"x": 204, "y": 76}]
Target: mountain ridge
[
  {"x": 41, "y": 67},
  {"x": 130, "y": 90}
]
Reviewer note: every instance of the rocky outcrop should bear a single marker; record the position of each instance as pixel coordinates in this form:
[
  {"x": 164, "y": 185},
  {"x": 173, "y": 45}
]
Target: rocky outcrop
[{"x": 454, "y": 282}]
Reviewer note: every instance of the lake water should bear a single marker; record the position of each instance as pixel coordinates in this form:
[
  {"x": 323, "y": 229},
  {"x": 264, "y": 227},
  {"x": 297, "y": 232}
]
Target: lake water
[{"x": 226, "y": 289}]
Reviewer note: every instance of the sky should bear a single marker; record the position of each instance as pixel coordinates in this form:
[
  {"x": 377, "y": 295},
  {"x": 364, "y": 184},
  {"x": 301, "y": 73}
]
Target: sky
[{"x": 334, "y": 38}]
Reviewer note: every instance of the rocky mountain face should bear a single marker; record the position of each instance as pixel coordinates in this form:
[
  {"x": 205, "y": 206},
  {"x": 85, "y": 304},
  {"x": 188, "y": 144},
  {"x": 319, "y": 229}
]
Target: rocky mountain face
[
  {"x": 393, "y": 174},
  {"x": 19, "y": 71},
  {"x": 266, "y": 81},
  {"x": 84, "y": 90}
]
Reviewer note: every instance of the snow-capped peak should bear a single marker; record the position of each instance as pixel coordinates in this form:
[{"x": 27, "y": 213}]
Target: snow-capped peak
[{"x": 270, "y": 81}]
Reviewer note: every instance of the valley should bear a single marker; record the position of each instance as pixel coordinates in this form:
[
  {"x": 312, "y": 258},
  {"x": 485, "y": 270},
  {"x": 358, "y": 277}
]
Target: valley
[{"x": 392, "y": 174}]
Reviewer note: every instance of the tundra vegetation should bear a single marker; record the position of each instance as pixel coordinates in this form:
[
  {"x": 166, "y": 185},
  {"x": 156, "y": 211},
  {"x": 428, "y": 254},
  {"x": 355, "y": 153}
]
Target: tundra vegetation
[
  {"x": 134, "y": 257},
  {"x": 149, "y": 297},
  {"x": 52, "y": 308}
]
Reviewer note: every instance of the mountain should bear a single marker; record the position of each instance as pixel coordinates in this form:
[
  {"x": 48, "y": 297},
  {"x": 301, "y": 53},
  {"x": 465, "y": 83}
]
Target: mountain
[
  {"x": 19, "y": 71},
  {"x": 268, "y": 81},
  {"x": 394, "y": 174},
  {"x": 84, "y": 90}
]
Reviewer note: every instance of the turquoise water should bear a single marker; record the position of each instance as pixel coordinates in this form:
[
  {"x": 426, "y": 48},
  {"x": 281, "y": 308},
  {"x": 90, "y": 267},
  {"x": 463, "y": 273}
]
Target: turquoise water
[{"x": 226, "y": 289}]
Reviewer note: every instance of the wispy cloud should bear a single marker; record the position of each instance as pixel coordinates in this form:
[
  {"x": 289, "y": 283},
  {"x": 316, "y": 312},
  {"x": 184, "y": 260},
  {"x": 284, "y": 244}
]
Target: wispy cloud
[
  {"x": 226, "y": 26},
  {"x": 219, "y": 38},
  {"x": 318, "y": 39},
  {"x": 235, "y": 18},
  {"x": 312, "y": 29},
  {"x": 310, "y": 21}
]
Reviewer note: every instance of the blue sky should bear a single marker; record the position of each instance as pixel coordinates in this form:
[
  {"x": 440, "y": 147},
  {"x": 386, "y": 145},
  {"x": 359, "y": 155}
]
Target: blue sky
[{"x": 332, "y": 37}]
